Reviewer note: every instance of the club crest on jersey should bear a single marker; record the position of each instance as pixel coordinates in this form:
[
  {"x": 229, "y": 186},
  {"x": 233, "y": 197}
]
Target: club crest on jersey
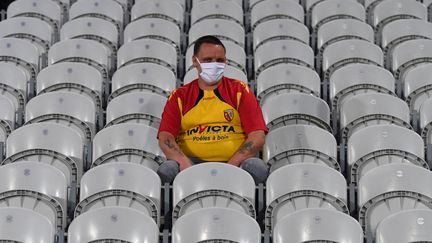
[{"x": 229, "y": 114}]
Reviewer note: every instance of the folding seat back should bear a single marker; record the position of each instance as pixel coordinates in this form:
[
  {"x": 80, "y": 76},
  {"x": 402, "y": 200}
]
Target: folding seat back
[
  {"x": 345, "y": 52},
  {"x": 390, "y": 10},
  {"x": 274, "y": 9},
  {"x": 280, "y": 29},
  {"x": 300, "y": 144},
  {"x": 148, "y": 51},
  {"x": 169, "y": 10},
  {"x": 126, "y": 6},
  {"x": 406, "y": 226},
  {"x": 238, "y": 2},
  {"x": 392, "y": 144},
  {"x": 389, "y": 189},
  {"x": 224, "y": 29},
  {"x": 85, "y": 51},
  {"x": 120, "y": 185},
  {"x": 14, "y": 85},
  {"x": 309, "y": 6},
  {"x": 296, "y": 108},
  {"x": 141, "y": 77},
  {"x": 205, "y": 225},
  {"x": 252, "y": 3},
  {"x": 417, "y": 86},
  {"x": 399, "y": 31},
  {"x": 299, "y": 186},
  {"x": 74, "y": 77},
  {"x": 341, "y": 29},
  {"x": 113, "y": 224},
  {"x": 287, "y": 78},
  {"x": 36, "y": 186},
  {"x": 50, "y": 143},
  {"x": 235, "y": 55},
  {"x": 92, "y": 28},
  {"x": 230, "y": 71},
  {"x": 368, "y": 109},
  {"x": 136, "y": 107},
  {"x": 20, "y": 224},
  {"x": 126, "y": 142},
  {"x": 154, "y": 28},
  {"x": 70, "y": 109},
  {"x": 409, "y": 55},
  {"x": 347, "y": 81},
  {"x": 329, "y": 10},
  {"x": 214, "y": 9},
  {"x": 35, "y": 30},
  {"x": 108, "y": 10},
  {"x": 21, "y": 53},
  {"x": 48, "y": 11},
  {"x": 209, "y": 185},
  {"x": 318, "y": 225},
  {"x": 283, "y": 51}
]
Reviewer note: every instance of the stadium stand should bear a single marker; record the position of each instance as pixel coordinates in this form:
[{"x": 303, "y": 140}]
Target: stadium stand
[{"x": 345, "y": 90}]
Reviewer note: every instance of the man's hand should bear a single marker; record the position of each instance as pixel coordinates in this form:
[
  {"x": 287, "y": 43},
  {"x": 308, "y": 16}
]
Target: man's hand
[
  {"x": 253, "y": 143},
  {"x": 172, "y": 151}
]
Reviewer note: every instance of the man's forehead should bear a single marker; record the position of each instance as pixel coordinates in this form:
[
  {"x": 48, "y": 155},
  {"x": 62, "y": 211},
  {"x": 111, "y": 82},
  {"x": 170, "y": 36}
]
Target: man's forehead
[{"x": 211, "y": 49}]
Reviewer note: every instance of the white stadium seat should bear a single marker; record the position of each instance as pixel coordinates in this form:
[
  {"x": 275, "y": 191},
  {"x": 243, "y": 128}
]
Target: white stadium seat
[
  {"x": 20, "y": 224},
  {"x": 300, "y": 144},
  {"x": 113, "y": 224},
  {"x": 120, "y": 185},
  {"x": 300, "y": 186},
  {"x": 210, "y": 185},
  {"x": 127, "y": 142},
  {"x": 36, "y": 186},
  {"x": 216, "y": 225},
  {"x": 318, "y": 225}
]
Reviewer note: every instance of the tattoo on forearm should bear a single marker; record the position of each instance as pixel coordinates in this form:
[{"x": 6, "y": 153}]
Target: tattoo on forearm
[
  {"x": 172, "y": 146},
  {"x": 246, "y": 147}
]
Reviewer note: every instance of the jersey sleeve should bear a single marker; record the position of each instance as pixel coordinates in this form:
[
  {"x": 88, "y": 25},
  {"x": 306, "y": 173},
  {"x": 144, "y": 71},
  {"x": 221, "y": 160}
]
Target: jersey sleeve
[
  {"x": 250, "y": 112},
  {"x": 171, "y": 118}
]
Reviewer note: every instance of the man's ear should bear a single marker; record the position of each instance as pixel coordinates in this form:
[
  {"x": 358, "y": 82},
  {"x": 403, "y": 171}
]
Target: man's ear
[{"x": 194, "y": 61}]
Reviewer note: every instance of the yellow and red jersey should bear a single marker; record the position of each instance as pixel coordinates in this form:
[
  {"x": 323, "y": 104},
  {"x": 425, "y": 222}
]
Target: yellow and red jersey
[{"x": 212, "y": 124}]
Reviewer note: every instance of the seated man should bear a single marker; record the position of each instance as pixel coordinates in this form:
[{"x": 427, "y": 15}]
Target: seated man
[{"x": 213, "y": 118}]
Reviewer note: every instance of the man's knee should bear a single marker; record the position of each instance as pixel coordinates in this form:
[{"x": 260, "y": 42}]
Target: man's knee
[
  {"x": 256, "y": 168},
  {"x": 168, "y": 170}
]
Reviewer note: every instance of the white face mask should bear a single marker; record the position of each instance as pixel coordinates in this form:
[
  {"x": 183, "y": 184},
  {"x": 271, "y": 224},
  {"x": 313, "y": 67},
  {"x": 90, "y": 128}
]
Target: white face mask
[{"x": 211, "y": 72}]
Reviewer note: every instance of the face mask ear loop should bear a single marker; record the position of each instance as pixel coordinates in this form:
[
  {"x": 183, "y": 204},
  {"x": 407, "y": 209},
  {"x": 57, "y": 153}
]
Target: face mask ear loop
[{"x": 196, "y": 58}]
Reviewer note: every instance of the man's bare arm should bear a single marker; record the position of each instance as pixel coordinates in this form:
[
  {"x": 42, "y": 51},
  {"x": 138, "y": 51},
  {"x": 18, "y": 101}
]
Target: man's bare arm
[
  {"x": 172, "y": 150},
  {"x": 251, "y": 146}
]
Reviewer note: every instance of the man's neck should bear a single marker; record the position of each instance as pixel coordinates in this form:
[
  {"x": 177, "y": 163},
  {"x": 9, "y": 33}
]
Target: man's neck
[{"x": 204, "y": 86}]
